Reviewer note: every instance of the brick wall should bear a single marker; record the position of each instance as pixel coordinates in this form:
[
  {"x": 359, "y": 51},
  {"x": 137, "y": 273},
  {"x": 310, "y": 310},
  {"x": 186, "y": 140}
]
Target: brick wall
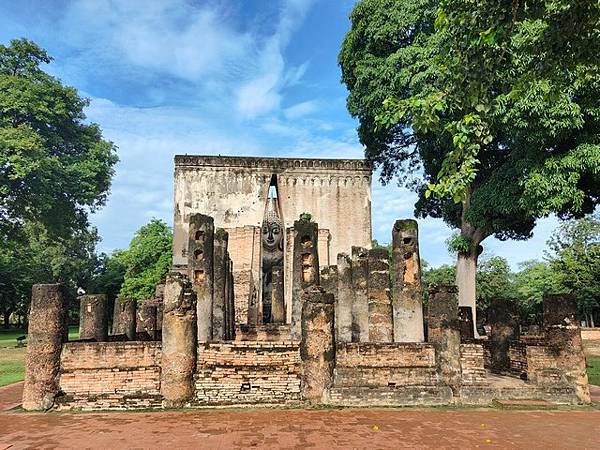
[
  {"x": 248, "y": 373},
  {"x": 517, "y": 353},
  {"x": 267, "y": 332},
  {"x": 542, "y": 367},
  {"x": 389, "y": 364},
  {"x": 472, "y": 363},
  {"x": 590, "y": 334},
  {"x": 110, "y": 375}
]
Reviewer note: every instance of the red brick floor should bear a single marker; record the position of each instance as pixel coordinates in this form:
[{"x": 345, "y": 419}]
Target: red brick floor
[{"x": 316, "y": 429}]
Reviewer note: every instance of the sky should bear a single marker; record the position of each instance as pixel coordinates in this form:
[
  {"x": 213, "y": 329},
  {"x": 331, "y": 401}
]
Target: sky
[{"x": 229, "y": 77}]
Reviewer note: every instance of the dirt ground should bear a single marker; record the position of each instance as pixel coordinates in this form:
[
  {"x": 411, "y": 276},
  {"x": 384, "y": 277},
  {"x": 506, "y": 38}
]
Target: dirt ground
[{"x": 317, "y": 429}]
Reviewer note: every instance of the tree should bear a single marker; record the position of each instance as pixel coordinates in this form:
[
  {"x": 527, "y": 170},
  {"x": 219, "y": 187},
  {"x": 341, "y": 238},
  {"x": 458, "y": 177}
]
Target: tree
[
  {"x": 33, "y": 256},
  {"x": 575, "y": 260},
  {"x": 54, "y": 167},
  {"x": 531, "y": 283},
  {"x": 494, "y": 280},
  {"x": 147, "y": 260},
  {"x": 493, "y": 102}
]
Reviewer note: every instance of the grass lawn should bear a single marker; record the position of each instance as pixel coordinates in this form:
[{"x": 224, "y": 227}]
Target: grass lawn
[
  {"x": 12, "y": 358},
  {"x": 593, "y": 370}
]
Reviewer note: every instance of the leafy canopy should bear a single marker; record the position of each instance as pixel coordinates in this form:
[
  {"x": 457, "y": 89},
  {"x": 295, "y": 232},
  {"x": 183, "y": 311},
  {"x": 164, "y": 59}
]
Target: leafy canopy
[
  {"x": 494, "y": 102},
  {"x": 147, "y": 260},
  {"x": 54, "y": 167}
]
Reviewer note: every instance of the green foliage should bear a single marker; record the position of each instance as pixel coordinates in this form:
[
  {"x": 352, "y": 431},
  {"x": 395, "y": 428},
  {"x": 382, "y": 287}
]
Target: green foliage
[
  {"x": 496, "y": 102},
  {"x": 305, "y": 217},
  {"x": 593, "y": 364},
  {"x": 493, "y": 280},
  {"x": 457, "y": 243},
  {"x": 147, "y": 260},
  {"x": 54, "y": 168},
  {"x": 575, "y": 259},
  {"x": 533, "y": 280}
]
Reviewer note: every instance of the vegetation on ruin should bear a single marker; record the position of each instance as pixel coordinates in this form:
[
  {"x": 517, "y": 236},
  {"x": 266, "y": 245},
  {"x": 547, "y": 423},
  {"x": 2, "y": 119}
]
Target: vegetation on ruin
[{"x": 488, "y": 110}]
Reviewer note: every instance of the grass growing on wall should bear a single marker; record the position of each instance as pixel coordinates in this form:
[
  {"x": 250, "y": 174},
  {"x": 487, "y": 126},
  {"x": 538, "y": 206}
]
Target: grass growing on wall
[{"x": 12, "y": 358}]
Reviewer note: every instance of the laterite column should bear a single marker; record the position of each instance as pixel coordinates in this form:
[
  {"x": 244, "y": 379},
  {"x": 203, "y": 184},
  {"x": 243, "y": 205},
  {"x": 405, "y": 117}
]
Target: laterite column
[
  {"x": 47, "y": 328},
  {"x": 381, "y": 327},
  {"x": 220, "y": 281},
  {"x": 124, "y": 318},
  {"x": 360, "y": 304},
  {"x": 93, "y": 317},
  {"x": 344, "y": 300}
]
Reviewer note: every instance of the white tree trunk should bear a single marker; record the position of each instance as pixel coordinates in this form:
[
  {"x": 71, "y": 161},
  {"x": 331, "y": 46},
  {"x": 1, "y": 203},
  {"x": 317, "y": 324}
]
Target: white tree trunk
[{"x": 466, "y": 270}]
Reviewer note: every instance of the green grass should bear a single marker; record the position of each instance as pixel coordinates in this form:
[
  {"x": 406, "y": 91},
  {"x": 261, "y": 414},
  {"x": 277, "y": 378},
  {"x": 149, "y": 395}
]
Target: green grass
[
  {"x": 12, "y": 358},
  {"x": 593, "y": 370}
]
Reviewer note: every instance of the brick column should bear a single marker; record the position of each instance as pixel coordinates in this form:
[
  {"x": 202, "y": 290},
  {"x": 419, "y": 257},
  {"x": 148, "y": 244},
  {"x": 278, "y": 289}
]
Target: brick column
[
  {"x": 200, "y": 266},
  {"x": 145, "y": 323},
  {"x": 563, "y": 337},
  {"x": 360, "y": 304},
  {"x": 343, "y": 303},
  {"x": 220, "y": 277},
  {"x": 305, "y": 267},
  {"x": 407, "y": 291},
  {"x": 444, "y": 333},
  {"x": 504, "y": 321},
  {"x": 93, "y": 317},
  {"x": 277, "y": 302},
  {"x": 124, "y": 318},
  {"x": 47, "y": 329},
  {"x": 317, "y": 346},
  {"x": 179, "y": 342},
  {"x": 381, "y": 327}
]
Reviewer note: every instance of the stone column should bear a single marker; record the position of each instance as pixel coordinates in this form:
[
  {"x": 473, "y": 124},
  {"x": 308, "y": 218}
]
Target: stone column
[
  {"x": 277, "y": 303},
  {"x": 227, "y": 305},
  {"x": 220, "y": 276},
  {"x": 407, "y": 291},
  {"x": 47, "y": 328},
  {"x": 317, "y": 346},
  {"x": 381, "y": 327},
  {"x": 444, "y": 333},
  {"x": 563, "y": 337},
  {"x": 504, "y": 322},
  {"x": 179, "y": 342},
  {"x": 93, "y": 317},
  {"x": 124, "y": 318},
  {"x": 200, "y": 266},
  {"x": 360, "y": 305},
  {"x": 343, "y": 302},
  {"x": 231, "y": 302},
  {"x": 159, "y": 293},
  {"x": 305, "y": 267},
  {"x": 145, "y": 324}
]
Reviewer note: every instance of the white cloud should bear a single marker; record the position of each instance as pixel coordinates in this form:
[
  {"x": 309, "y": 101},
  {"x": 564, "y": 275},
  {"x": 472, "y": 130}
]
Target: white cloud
[{"x": 301, "y": 109}]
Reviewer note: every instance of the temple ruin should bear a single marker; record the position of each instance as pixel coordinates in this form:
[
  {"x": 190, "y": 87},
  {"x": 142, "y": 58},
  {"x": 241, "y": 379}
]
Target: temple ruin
[{"x": 276, "y": 297}]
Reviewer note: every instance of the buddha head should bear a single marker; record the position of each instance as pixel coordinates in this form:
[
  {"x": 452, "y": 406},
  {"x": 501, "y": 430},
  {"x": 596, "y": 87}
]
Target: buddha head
[{"x": 272, "y": 229}]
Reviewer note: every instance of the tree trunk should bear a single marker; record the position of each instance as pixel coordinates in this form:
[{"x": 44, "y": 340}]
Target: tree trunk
[
  {"x": 466, "y": 271},
  {"x": 466, "y": 263},
  {"x": 592, "y": 320},
  {"x": 6, "y": 315}
]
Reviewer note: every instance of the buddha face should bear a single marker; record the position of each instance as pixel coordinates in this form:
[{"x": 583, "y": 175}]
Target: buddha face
[{"x": 272, "y": 236}]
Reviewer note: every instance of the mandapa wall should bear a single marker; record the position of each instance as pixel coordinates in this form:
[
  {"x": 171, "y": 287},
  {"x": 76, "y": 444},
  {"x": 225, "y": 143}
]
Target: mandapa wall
[{"x": 233, "y": 190}]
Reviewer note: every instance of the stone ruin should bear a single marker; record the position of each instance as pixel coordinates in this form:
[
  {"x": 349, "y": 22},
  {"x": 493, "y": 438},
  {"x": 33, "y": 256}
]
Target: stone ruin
[{"x": 253, "y": 313}]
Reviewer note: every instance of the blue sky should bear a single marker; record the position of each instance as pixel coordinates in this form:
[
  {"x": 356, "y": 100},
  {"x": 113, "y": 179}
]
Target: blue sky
[{"x": 234, "y": 77}]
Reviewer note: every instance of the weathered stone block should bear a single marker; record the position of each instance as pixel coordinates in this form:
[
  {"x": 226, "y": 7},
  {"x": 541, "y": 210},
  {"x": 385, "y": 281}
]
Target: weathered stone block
[
  {"x": 407, "y": 290},
  {"x": 317, "y": 347},
  {"x": 93, "y": 317},
  {"x": 146, "y": 321},
  {"x": 124, "y": 318},
  {"x": 504, "y": 321},
  {"x": 344, "y": 300},
  {"x": 220, "y": 280},
  {"x": 47, "y": 328},
  {"x": 360, "y": 303},
  {"x": 178, "y": 341},
  {"x": 201, "y": 270},
  {"x": 277, "y": 300},
  {"x": 381, "y": 327}
]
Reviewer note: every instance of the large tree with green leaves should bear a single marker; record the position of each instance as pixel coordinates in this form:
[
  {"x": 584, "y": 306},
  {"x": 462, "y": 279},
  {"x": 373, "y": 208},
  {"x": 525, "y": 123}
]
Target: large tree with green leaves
[
  {"x": 488, "y": 109},
  {"x": 54, "y": 167}
]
